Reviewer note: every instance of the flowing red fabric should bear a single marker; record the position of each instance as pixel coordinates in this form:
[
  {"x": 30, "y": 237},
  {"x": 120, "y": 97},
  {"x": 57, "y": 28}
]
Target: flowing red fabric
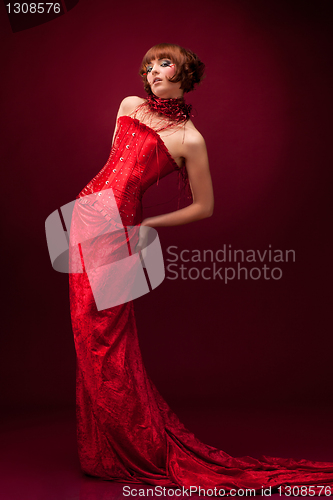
[{"x": 126, "y": 431}]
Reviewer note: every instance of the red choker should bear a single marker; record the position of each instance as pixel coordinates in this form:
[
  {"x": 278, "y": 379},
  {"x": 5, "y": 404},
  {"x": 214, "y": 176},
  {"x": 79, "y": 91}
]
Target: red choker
[{"x": 176, "y": 109}]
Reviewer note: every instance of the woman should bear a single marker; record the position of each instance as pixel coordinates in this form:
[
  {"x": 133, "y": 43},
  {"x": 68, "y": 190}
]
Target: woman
[{"x": 126, "y": 431}]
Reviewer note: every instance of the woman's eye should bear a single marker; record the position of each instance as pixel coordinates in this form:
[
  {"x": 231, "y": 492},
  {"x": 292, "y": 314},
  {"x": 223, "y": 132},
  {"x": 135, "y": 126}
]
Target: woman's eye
[{"x": 164, "y": 64}]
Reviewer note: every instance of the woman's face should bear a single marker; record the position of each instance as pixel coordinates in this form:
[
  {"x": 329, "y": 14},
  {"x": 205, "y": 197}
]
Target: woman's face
[{"x": 158, "y": 73}]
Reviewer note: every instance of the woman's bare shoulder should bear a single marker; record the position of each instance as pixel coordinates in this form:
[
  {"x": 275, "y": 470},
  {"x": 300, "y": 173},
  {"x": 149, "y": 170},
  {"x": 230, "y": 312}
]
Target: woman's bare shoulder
[
  {"x": 192, "y": 135},
  {"x": 128, "y": 104}
]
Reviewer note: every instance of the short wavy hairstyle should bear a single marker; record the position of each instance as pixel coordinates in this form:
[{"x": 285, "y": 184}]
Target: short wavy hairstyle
[{"x": 189, "y": 68}]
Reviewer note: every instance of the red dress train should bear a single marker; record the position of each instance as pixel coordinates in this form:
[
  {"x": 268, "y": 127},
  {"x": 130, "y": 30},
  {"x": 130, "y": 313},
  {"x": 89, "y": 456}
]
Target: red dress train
[{"x": 126, "y": 431}]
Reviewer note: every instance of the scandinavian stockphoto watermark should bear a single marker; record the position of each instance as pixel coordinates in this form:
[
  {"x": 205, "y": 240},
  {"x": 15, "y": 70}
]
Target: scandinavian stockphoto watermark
[
  {"x": 226, "y": 263},
  {"x": 124, "y": 262}
]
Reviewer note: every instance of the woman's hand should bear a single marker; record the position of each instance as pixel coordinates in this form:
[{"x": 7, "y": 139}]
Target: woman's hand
[{"x": 143, "y": 240}]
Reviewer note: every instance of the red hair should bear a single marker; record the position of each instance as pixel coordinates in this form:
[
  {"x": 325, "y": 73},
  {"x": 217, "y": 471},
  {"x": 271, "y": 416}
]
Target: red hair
[{"x": 189, "y": 68}]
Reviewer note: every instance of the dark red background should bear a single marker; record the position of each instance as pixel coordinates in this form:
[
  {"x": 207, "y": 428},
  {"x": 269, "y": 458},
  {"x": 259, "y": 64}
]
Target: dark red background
[{"x": 265, "y": 110}]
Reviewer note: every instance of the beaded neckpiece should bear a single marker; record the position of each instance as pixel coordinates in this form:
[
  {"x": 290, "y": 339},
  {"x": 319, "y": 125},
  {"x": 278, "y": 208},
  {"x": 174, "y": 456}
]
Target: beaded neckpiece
[{"x": 175, "y": 109}]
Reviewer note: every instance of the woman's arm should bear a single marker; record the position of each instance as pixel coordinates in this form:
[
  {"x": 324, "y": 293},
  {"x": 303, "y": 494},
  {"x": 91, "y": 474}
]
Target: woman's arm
[{"x": 197, "y": 166}]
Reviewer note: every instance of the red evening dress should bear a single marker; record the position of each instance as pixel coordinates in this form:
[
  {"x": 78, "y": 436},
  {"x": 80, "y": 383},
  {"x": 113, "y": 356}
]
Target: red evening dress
[{"x": 126, "y": 431}]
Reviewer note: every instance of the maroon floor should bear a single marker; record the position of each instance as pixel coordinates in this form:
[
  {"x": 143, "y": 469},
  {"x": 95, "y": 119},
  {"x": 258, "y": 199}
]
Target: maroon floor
[{"x": 39, "y": 458}]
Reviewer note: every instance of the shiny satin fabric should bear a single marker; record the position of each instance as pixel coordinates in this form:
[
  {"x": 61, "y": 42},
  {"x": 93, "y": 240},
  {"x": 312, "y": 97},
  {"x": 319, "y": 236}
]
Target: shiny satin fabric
[{"x": 126, "y": 431}]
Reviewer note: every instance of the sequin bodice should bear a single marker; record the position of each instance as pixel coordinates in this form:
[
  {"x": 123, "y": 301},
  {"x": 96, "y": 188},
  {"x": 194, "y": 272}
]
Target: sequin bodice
[{"x": 137, "y": 160}]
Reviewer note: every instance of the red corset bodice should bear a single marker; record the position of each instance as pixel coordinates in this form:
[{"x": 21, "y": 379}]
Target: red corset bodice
[{"x": 137, "y": 160}]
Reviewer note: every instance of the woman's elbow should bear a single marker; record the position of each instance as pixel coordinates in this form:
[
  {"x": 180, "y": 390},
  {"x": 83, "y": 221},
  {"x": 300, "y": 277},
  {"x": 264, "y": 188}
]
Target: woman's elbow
[
  {"x": 207, "y": 211},
  {"x": 210, "y": 210},
  {"x": 203, "y": 210}
]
